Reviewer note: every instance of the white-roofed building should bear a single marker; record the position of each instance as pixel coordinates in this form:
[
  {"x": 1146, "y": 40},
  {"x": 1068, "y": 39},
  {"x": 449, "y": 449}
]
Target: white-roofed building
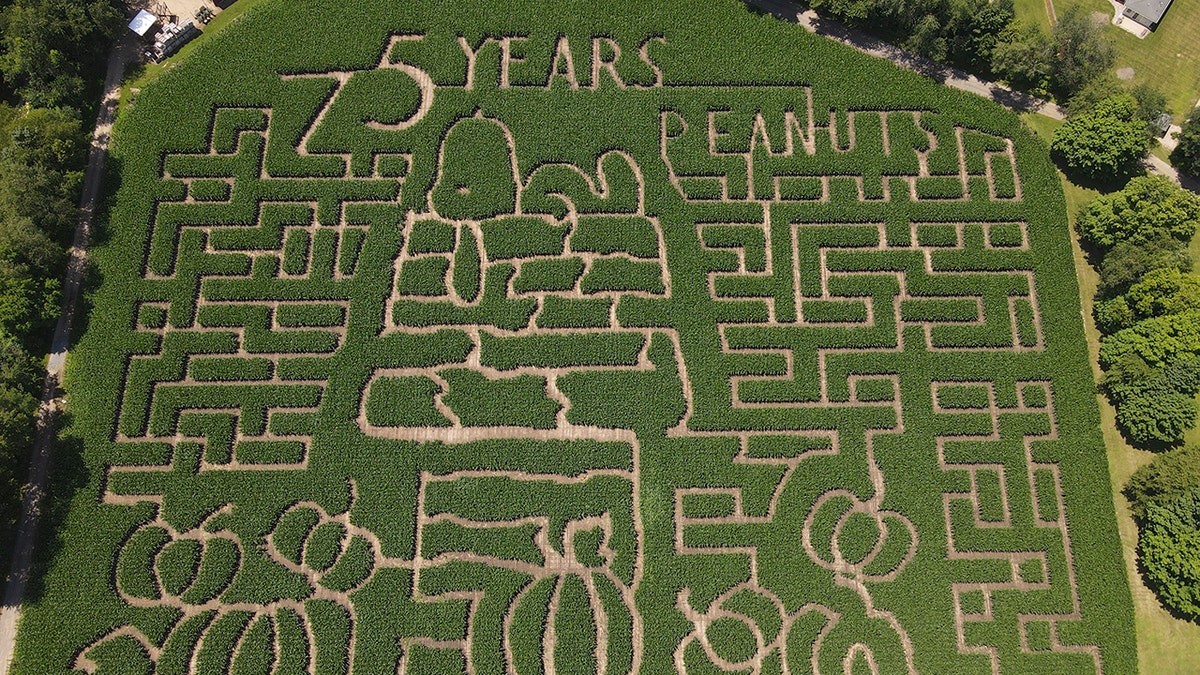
[
  {"x": 1146, "y": 12},
  {"x": 142, "y": 23}
]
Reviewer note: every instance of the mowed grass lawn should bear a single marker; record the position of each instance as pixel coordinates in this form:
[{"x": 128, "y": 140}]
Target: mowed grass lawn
[
  {"x": 1166, "y": 645},
  {"x": 1168, "y": 58}
]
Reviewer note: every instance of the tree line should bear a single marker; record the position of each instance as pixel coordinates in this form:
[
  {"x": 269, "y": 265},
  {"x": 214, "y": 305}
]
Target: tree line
[
  {"x": 1148, "y": 313},
  {"x": 52, "y": 55},
  {"x": 986, "y": 38}
]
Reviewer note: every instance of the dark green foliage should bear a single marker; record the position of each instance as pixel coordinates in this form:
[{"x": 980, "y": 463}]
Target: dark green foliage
[
  {"x": 292, "y": 530},
  {"x": 519, "y": 237},
  {"x": 404, "y": 402},
  {"x": 476, "y": 179},
  {"x": 1186, "y": 155},
  {"x": 431, "y": 236},
  {"x": 219, "y": 561},
  {"x": 830, "y": 311},
  {"x": 962, "y": 396},
  {"x": 1168, "y": 552},
  {"x": 1105, "y": 143},
  {"x": 561, "y": 350},
  {"x": 1146, "y": 209},
  {"x": 1154, "y": 406},
  {"x": 18, "y": 411},
  {"x": 567, "y": 313},
  {"x": 1165, "y": 478},
  {"x": 556, "y": 274},
  {"x": 517, "y": 401},
  {"x": 424, "y": 276},
  {"x": 732, "y": 639},
  {"x": 1127, "y": 262},
  {"x": 510, "y": 543},
  {"x": 135, "y": 562},
  {"x": 612, "y": 234},
  {"x": 255, "y": 654},
  {"x": 1157, "y": 341},
  {"x": 1047, "y": 500},
  {"x": 209, "y": 190},
  {"x": 575, "y": 628},
  {"x": 1113, "y": 315},
  {"x": 1024, "y": 56},
  {"x": 623, "y": 274},
  {"x": 971, "y": 602},
  {"x": 732, "y": 393},
  {"x": 1164, "y": 291},
  {"x": 177, "y": 564},
  {"x": 528, "y": 626},
  {"x": 324, "y": 545},
  {"x": 466, "y": 266},
  {"x": 355, "y": 564},
  {"x": 1084, "y": 50},
  {"x": 707, "y": 505},
  {"x": 857, "y": 537},
  {"x": 1005, "y": 235}
]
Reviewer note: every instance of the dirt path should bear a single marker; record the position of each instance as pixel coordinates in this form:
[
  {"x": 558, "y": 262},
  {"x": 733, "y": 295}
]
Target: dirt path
[{"x": 10, "y": 611}]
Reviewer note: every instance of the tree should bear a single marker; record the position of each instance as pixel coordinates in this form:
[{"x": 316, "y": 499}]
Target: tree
[
  {"x": 1084, "y": 52},
  {"x": 1113, "y": 314},
  {"x": 1147, "y": 208},
  {"x": 1104, "y": 86},
  {"x": 1127, "y": 262},
  {"x": 1154, "y": 407},
  {"x": 1156, "y": 416},
  {"x": 1108, "y": 141},
  {"x": 1022, "y": 56},
  {"x": 1151, "y": 103},
  {"x": 926, "y": 39},
  {"x": 47, "y": 45},
  {"x": 1169, "y": 552},
  {"x": 1159, "y": 341},
  {"x": 1186, "y": 156},
  {"x": 1164, "y": 291},
  {"x": 1167, "y": 476},
  {"x": 18, "y": 410},
  {"x": 974, "y": 28}
]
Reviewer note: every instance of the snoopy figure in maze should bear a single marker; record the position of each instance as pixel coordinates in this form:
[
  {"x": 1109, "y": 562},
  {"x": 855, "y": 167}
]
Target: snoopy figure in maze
[
  {"x": 507, "y": 259},
  {"x": 560, "y": 246}
]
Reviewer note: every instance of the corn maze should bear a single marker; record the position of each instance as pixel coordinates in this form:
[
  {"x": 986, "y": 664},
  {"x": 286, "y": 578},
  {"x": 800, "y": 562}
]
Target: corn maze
[{"x": 582, "y": 338}]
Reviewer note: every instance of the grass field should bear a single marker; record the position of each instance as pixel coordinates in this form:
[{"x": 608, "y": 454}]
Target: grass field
[
  {"x": 516, "y": 337},
  {"x": 1165, "y": 644},
  {"x": 1168, "y": 58}
]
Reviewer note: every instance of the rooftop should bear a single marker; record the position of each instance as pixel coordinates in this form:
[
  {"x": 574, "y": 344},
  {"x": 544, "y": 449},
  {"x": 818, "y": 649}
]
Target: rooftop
[{"x": 1150, "y": 9}]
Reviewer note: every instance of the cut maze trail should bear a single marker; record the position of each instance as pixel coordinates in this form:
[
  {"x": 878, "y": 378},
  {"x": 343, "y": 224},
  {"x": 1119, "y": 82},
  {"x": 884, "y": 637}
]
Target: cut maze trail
[{"x": 535, "y": 349}]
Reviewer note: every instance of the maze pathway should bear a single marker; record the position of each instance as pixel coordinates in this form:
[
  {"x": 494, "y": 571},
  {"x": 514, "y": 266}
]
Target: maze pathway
[{"x": 414, "y": 376}]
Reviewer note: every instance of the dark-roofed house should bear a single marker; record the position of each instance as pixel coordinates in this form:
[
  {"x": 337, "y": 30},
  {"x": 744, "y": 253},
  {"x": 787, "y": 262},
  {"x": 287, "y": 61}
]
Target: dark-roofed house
[{"x": 1146, "y": 12}]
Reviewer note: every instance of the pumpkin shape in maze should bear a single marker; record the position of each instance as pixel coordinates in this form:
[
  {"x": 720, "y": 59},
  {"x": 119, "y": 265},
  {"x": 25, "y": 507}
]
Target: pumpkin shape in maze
[{"x": 591, "y": 337}]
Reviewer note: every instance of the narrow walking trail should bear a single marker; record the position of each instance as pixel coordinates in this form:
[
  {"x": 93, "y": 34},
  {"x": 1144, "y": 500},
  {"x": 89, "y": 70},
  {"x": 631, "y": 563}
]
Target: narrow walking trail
[{"x": 123, "y": 52}]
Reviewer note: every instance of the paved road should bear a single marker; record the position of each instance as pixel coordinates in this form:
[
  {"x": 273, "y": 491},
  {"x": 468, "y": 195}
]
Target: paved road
[
  {"x": 10, "y": 611},
  {"x": 951, "y": 77}
]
